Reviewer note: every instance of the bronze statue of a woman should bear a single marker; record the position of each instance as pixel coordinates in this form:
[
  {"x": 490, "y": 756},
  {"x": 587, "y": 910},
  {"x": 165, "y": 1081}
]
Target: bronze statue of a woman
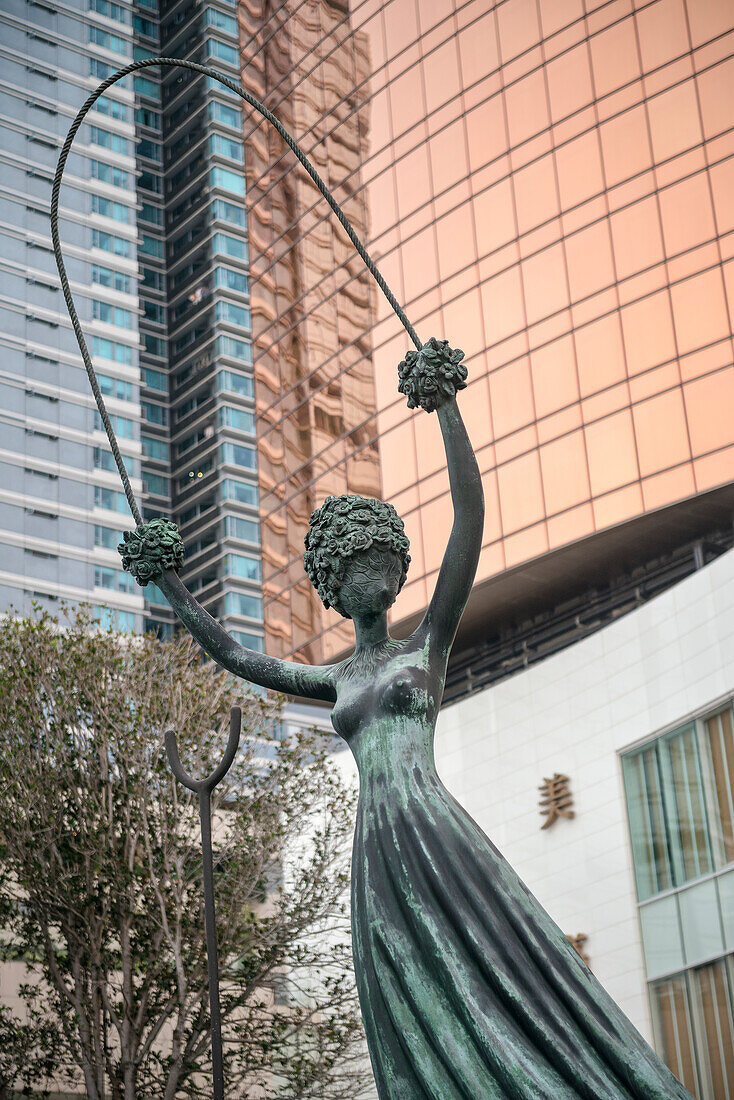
[{"x": 468, "y": 989}]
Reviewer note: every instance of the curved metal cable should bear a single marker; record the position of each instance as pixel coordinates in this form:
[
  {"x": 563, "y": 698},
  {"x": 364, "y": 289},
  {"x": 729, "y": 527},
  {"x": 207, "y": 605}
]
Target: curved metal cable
[{"x": 173, "y": 62}]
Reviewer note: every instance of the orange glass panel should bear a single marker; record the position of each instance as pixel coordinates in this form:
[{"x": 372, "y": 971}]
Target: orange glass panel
[
  {"x": 706, "y": 360},
  {"x": 414, "y": 181},
  {"x": 625, "y": 146},
  {"x": 614, "y": 57},
  {"x": 648, "y": 332},
  {"x": 571, "y": 525},
  {"x": 638, "y": 243},
  {"x": 492, "y": 518},
  {"x": 429, "y": 444},
  {"x": 589, "y": 259},
  {"x": 406, "y": 100},
  {"x": 494, "y": 215},
  {"x": 436, "y": 517},
  {"x": 491, "y": 560},
  {"x": 434, "y": 13},
  {"x": 579, "y": 170},
  {"x": 456, "y": 247},
  {"x": 486, "y": 132},
  {"x": 610, "y": 446},
  {"x": 478, "y": 50},
  {"x": 521, "y": 492},
  {"x": 714, "y": 469},
  {"x": 535, "y": 193},
  {"x": 527, "y": 107},
  {"x": 420, "y": 263},
  {"x": 716, "y": 89},
  {"x": 661, "y": 432},
  {"x": 606, "y": 402},
  {"x": 709, "y": 20},
  {"x": 565, "y": 477},
  {"x": 521, "y": 442},
  {"x": 401, "y": 26},
  {"x": 710, "y": 407},
  {"x": 722, "y": 185},
  {"x": 517, "y": 22},
  {"x": 560, "y": 423},
  {"x": 448, "y": 158},
  {"x": 662, "y": 32},
  {"x": 502, "y": 304},
  {"x": 544, "y": 280},
  {"x": 398, "y": 459},
  {"x": 414, "y": 531},
  {"x": 464, "y": 328},
  {"x": 554, "y": 376},
  {"x": 688, "y": 219},
  {"x": 699, "y": 310},
  {"x": 555, "y": 14},
  {"x": 511, "y": 397},
  {"x": 672, "y": 485},
  {"x": 674, "y": 123},
  {"x": 526, "y": 544},
  {"x": 569, "y": 82},
  {"x": 618, "y": 506},
  {"x": 651, "y": 382},
  {"x": 444, "y": 82}
]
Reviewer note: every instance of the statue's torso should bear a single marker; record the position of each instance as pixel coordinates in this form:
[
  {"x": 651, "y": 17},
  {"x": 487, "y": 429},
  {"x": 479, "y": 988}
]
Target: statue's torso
[{"x": 386, "y": 710}]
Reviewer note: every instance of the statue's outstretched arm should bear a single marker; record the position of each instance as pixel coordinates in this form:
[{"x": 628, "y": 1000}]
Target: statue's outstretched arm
[
  {"x": 153, "y": 552},
  {"x": 309, "y": 681},
  {"x": 431, "y": 378}
]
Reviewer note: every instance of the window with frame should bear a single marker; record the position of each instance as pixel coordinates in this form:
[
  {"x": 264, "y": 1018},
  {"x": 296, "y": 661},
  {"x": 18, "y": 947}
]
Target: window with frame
[{"x": 680, "y": 804}]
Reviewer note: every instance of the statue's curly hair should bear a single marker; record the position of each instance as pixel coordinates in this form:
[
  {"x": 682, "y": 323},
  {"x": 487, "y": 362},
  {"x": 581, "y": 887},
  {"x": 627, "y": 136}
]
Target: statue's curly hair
[{"x": 342, "y": 526}]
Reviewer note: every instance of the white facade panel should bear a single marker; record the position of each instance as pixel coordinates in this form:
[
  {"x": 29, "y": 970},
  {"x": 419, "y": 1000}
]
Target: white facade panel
[{"x": 572, "y": 714}]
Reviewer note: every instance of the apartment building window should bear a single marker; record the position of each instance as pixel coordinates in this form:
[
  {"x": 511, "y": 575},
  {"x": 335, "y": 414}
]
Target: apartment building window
[
  {"x": 114, "y": 142},
  {"x": 108, "y": 242},
  {"x": 109, "y": 209},
  {"x": 106, "y": 173},
  {"x": 112, "y": 108},
  {"x": 112, "y": 315},
  {"x": 242, "y": 492},
  {"x": 115, "y": 387},
  {"x": 231, "y": 280},
  {"x": 109, "y": 10},
  {"x": 227, "y": 181},
  {"x": 113, "y": 280},
  {"x": 680, "y": 803}
]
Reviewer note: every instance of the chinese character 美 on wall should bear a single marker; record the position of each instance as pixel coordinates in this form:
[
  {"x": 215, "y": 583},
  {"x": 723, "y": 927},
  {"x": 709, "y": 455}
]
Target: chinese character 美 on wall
[{"x": 556, "y": 799}]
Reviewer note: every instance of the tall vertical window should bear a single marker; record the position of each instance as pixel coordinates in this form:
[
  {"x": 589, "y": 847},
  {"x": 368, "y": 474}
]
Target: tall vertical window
[{"x": 680, "y": 804}]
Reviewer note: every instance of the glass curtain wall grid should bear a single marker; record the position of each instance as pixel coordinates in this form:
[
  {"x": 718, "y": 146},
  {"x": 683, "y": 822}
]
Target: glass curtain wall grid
[
  {"x": 212, "y": 431},
  {"x": 60, "y": 505},
  {"x": 680, "y": 802}
]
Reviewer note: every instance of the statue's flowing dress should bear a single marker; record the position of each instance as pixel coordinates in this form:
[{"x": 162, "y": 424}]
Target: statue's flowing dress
[{"x": 468, "y": 989}]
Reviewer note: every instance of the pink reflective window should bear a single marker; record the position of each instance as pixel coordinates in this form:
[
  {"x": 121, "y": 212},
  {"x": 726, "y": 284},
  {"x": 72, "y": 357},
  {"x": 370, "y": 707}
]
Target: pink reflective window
[
  {"x": 661, "y": 432},
  {"x": 636, "y": 237}
]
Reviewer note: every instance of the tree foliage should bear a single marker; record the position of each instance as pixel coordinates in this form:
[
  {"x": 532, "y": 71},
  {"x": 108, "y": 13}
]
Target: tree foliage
[{"x": 101, "y": 888}]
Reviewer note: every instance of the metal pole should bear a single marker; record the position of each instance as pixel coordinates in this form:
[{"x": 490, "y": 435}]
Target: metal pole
[
  {"x": 204, "y": 788},
  {"x": 210, "y": 925}
]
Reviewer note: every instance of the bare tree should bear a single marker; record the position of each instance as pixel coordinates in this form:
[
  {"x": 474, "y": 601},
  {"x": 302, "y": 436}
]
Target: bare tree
[{"x": 101, "y": 881}]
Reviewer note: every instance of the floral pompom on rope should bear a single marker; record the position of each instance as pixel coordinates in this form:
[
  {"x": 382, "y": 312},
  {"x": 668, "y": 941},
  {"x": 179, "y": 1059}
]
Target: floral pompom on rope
[
  {"x": 431, "y": 376},
  {"x": 151, "y": 549}
]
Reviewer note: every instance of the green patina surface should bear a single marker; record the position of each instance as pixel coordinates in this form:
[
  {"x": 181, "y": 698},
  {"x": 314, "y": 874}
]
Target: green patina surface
[{"x": 469, "y": 990}]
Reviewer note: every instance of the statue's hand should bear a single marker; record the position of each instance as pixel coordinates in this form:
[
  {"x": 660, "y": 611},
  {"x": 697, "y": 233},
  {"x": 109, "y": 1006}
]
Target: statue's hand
[
  {"x": 151, "y": 549},
  {"x": 432, "y": 376}
]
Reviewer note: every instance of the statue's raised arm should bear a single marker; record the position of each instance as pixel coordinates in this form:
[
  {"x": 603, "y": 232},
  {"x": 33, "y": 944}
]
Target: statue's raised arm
[
  {"x": 153, "y": 552},
  {"x": 430, "y": 378}
]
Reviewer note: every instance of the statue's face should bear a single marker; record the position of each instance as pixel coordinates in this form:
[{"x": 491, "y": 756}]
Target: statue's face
[{"x": 370, "y": 582}]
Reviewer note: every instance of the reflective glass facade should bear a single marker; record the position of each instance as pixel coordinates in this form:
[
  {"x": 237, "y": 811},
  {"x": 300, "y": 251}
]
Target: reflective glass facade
[{"x": 548, "y": 184}]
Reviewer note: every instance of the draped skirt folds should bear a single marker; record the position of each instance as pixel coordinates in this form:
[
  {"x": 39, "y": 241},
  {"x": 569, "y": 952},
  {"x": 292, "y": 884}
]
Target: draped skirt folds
[{"x": 468, "y": 989}]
